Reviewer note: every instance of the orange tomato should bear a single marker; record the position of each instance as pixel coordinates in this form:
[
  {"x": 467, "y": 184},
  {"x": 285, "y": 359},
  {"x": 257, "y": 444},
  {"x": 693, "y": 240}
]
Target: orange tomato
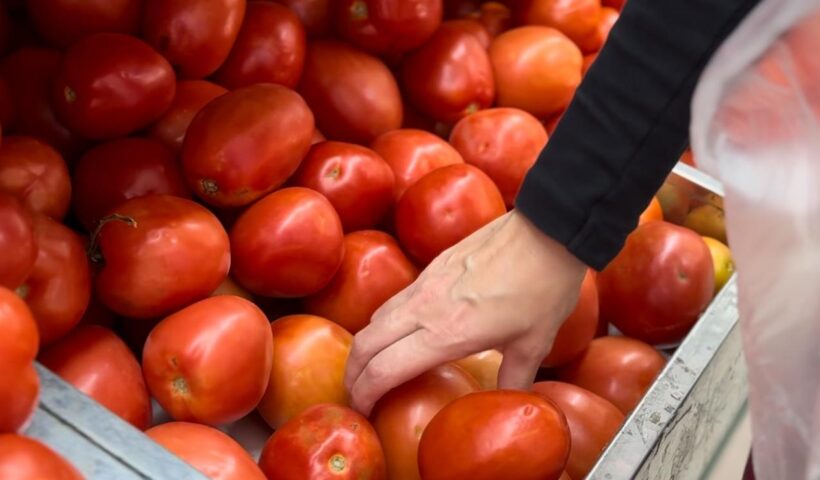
[
  {"x": 23, "y": 458},
  {"x": 579, "y": 328},
  {"x": 653, "y": 212}
]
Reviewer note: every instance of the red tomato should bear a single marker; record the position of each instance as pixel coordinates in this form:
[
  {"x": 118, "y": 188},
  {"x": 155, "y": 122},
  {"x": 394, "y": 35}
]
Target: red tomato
[
  {"x": 36, "y": 174},
  {"x": 579, "y": 328},
  {"x": 496, "y": 17},
  {"x": 18, "y": 248},
  {"x": 490, "y": 435},
  {"x": 270, "y": 48},
  {"x": 354, "y": 96},
  {"x": 212, "y": 452},
  {"x": 59, "y": 286},
  {"x": 576, "y": 19},
  {"x": 100, "y": 365},
  {"x": 29, "y": 73},
  {"x": 403, "y": 413},
  {"x": 445, "y": 206},
  {"x": 503, "y": 142},
  {"x": 652, "y": 213},
  {"x": 593, "y": 41},
  {"x": 289, "y": 244},
  {"x": 210, "y": 362},
  {"x": 20, "y": 339},
  {"x": 119, "y": 170},
  {"x": 110, "y": 85},
  {"x": 484, "y": 367},
  {"x": 450, "y": 76},
  {"x": 191, "y": 96},
  {"x": 588, "y": 61},
  {"x": 537, "y": 69},
  {"x": 616, "y": 4},
  {"x": 314, "y": 14},
  {"x": 356, "y": 180},
  {"x": 159, "y": 254},
  {"x": 470, "y": 26},
  {"x": 317, "y": 349},
  {"x": 659, "y": 284},
  {"x": 324, "y": 442},
  {"x": 619, "y": 369},
  {"x": 593, "y": 423},
  {"x": 388, "y": 26},
  {"x": 246, "y": 143},
  {"x": 413, "y": 154},
  {"x": 194, "y": 35},
  {"x": 63, "y": 22},
  {"x": 19, "y": 394},
  {"x": 23, "y": 458},
  {"x": 373, "y": 270}
]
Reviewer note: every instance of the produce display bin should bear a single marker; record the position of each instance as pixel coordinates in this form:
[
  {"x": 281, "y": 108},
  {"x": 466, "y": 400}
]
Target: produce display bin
[{"x": 674, "y": 432}]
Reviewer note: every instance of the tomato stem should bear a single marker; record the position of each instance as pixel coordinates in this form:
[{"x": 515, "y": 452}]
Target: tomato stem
[
  {"x": 209, "y": 186},
  {"x": 337, "y": 463},
  {"x": 358, "y": 11},
  {"x": 70, "y": 94},
  {"x": 22, "y": 291},
  {"x": 93, "y": 250}
]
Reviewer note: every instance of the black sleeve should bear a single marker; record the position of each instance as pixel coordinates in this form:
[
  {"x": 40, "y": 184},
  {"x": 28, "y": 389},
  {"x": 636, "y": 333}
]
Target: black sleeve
[{"x": 627, "y": 125}]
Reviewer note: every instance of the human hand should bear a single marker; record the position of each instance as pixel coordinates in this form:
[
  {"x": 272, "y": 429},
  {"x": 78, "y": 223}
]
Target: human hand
[{"x": 507, "y": 286}]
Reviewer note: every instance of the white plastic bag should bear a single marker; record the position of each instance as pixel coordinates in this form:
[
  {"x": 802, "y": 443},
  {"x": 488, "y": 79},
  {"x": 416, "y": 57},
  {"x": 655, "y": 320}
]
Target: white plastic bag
[{"x": 756, "y": 127}]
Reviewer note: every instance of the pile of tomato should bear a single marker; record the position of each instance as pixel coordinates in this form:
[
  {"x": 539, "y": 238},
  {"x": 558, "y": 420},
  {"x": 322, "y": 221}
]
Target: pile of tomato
[{"x": 202, "y": 201}]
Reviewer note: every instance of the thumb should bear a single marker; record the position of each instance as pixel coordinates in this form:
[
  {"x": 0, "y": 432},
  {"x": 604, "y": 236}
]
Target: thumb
[{"x": 519, "y": 365}]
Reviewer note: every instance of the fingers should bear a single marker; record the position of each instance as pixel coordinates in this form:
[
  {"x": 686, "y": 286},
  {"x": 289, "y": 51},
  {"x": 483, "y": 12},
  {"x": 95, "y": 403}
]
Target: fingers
[
  {"x": 520, "y": 364},
  {"x": 400, "y": 362}
]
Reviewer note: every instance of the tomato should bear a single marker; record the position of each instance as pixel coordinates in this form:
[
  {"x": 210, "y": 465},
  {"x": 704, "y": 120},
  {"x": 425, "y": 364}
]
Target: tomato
[
  {"x": 491, "y": 435},
  {"x": 23, "y": 458},
  {"x": 324, "y": 442},
  {"x": 616, "y": 4},
  {"x": 318, "y": 137},
  {"x": 593, "y": 423},
  {"x": 354, "y": 95},
  {"x": 59, "y": 286},
  {"x": 445, "y": 206},
  {"x": 356, "y": 180},
  {"x": 579, "y": 328},
  {"x": 576, "y": 19},
  {"x": 99, "y": 364},
  {"x": 194, "y": 35},
  {"x": 403, "y": 413},
  {"x": 246, "y": 143},
  {"x": 708, "y": 220},
  {"x": 110, "y": 85},
  {"x": 18, "y": 248},
  {"x": 36, "y": 174},
  {"x": 619, "y": 369},
  {"x": 289, "y": 244},
  {"x": 20, "y": 340},
  {"x": 659, "y": 284},
  {"x": 473, "y": 27},
  {"x": 315, "y": 15},
  {"x": 676, "y": 196},
  {"x": 316, "y": 348},
  {"x": 373, "y": 270},
  {"x": 207, "y": 449},
  {"x": 159, "y": 254},
  {"x": 63, "y": 22},
  {"x": 19, "y": 394},
  {"x": 588, "y": 61},
  {"x": 537, "y": 69},
  {"x": 484, "y": 367},
  {"x": 503, "y": 142},
  {"x": 388, "y": 26},
  {"x": 210, "y": 362},
  {"x": 450, "y": 76},
  {"x": 29, "y": 73},
  {"x": 413, "y": 154},
  {"x": 119, "y": 170},
  {"x": 653, "y": 212},
  {"x": 594, "y": 40},
  {"x": 496, "y": 17},
  {"x": 190, "y": 97},
  {"x": 270, "y": 48},
  {"x": 721, "y": 260},
  {"x": 230, "y": 287}
]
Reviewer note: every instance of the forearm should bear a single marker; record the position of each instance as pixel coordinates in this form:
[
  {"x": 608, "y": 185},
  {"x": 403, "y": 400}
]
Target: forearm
[{"x": 627, "y": 125}]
